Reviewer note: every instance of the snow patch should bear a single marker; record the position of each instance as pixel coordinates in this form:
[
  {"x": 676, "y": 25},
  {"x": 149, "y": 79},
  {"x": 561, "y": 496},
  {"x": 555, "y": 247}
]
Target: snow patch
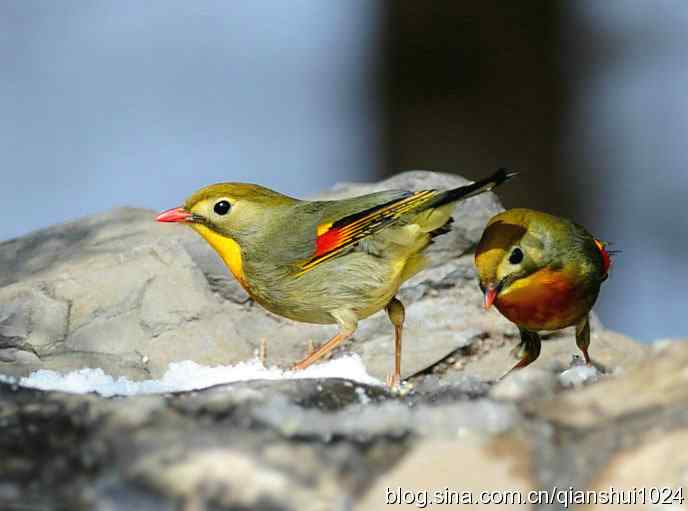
[
  {"x": 578, "y": 375},
  {"x": 188, "y": 375}
]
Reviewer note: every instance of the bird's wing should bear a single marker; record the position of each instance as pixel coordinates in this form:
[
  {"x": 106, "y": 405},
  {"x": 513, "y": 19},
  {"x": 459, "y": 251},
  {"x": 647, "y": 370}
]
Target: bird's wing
[{"x": 334, "y": 236}]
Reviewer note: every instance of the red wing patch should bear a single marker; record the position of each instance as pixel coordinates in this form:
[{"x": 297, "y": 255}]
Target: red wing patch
[
  {"x": 606, "y": 259},
  {"x": 327, "y": 242},
  {"x": 334, "y": 238}
]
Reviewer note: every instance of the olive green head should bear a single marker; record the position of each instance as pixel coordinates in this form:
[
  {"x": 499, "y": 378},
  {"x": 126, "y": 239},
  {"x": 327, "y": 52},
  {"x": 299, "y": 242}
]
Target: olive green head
[
  {"x": 515, "y": 244},
  {"x": 230, "y": 208}
]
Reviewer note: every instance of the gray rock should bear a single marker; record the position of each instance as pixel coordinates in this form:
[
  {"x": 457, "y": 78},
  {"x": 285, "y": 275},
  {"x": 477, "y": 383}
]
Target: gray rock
[
  {"x": 363, "y": 422},
  {"x": 217, "y": 448},
  {"x": 58, "y": 248},
  {"x": 529, "y": 383},
  {"x": 313, "y": 445},
  {"x": 119, "y": 292},
  {"x": 32, "y": 320}
]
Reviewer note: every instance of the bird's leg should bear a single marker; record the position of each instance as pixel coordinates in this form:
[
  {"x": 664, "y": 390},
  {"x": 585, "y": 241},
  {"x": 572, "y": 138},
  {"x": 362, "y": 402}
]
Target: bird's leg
[
  {"x": 530, "y": 347},
  {"x": 396, "y": 314},
  {"x": 323, "y": 350},
  {"x": 348, "y": 322},
  {"x": 583, "y": 337}
]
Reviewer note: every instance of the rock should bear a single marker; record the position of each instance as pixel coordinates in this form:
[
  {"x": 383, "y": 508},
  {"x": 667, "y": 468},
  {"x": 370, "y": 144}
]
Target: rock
[
  {"x": 432, "y": 475},
  {"x": 613, "y": 432},
  {"x": 657, "y": 382},
  {"x": 225, "y": 476},
  {"x": 389, "y": 419},
  {"x": 529, "y": 383},
  {"x": 264, "y": 445},
  {"x": 56, "y": 249},
  {"x": 317, "y": 445},
  {"x": 119, "y": 292},
  {"x": 653, "y": 474},
  {"x": 31, "y": 320}
]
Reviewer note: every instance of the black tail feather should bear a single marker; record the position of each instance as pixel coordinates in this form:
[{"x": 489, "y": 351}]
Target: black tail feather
[{"x": 464, "y": 192}]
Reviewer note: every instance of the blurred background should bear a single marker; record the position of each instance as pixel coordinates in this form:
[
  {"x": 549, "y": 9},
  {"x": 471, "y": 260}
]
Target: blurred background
[{"x": 135, "y": 103}]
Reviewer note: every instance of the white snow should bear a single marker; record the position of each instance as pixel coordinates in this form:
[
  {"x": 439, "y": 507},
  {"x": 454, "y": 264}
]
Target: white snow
[
  {"x": 578, "y": 375},
  {"x": 188, "y": 375}
]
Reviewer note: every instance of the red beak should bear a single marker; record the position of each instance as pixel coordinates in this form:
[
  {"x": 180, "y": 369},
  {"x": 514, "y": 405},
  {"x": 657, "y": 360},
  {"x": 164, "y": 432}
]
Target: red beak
[
  {"x": 490, "y": 296},
  {"x": 174, "y": 215}
]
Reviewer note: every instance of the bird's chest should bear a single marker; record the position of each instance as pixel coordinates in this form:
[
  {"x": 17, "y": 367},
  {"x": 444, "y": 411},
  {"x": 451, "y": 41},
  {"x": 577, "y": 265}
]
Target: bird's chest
[{"x": 546, "y": 300}]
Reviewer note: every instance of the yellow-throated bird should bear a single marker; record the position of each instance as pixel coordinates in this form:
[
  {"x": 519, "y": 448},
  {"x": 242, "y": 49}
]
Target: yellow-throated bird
[
  {"x": 324, "y": 261},
  {"x": 543, "y": 273}
]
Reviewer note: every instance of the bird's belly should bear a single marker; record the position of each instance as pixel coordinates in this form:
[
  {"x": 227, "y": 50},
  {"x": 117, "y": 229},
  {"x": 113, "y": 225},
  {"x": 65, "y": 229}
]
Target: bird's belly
[
  {"x": 357, "y": 282},
  {"x": 297, "y": 311},
  {"x": 546, "y": 300}
]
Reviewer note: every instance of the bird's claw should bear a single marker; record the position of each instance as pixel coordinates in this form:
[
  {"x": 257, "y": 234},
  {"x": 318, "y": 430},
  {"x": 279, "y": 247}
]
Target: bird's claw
[
  {"x": 396, "y": 386},
  {"x": 393, "y": 380}
]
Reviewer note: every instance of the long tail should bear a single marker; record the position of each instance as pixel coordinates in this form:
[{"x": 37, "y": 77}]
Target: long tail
[{"x": 464, "y": 192}]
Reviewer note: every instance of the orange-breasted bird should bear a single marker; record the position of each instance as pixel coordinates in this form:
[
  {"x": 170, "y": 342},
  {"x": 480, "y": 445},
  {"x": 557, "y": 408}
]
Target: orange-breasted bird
[
  {"x": 543, "y": 273},
  {"x": 324, "y": 261}
]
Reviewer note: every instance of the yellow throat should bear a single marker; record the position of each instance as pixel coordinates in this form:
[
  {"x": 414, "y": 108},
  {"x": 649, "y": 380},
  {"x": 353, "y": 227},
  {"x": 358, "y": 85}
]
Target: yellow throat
[{"x": 227, "y": 248}]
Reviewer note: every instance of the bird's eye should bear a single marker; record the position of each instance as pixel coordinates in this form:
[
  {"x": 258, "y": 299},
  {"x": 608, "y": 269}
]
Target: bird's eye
[
  {"x": 222, "y": 207},
  {"x": 516, "y": 256}
]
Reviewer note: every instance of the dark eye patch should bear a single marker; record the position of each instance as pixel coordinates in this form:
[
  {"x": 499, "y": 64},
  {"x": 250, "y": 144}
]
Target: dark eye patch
[
  {"x": 516, "y": 256},
  {"x": 222, "y": 207}
]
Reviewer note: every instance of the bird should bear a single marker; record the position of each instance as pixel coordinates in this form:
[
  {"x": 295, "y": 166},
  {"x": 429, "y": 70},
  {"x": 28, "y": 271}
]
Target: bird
[
  {"x": 543, "y": 273},
  {"x": 324, "y": 262}
]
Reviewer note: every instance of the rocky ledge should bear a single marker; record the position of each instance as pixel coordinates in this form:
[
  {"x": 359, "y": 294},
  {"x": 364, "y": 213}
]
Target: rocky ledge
[{"x": 119, "y": 292}]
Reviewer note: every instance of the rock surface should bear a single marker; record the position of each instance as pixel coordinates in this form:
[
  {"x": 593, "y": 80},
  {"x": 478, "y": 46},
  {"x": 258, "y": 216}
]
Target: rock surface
[
  {"x": 120, "y": 292},
  {"x": 333, "y": 445}
]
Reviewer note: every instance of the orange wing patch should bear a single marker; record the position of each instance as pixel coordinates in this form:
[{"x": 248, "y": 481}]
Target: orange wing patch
[{"x": 334, "y": 237}]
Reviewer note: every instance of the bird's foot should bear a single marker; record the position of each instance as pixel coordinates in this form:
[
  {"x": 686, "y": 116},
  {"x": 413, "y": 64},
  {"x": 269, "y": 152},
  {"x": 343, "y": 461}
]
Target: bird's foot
[
  {"x": 303, "y": 364},
  {"x": 517, "y": 352},
  {"x": 393, "y": 380},
  {"x": 396, "y": 386},
  {"x": 299, "y": 366}
]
